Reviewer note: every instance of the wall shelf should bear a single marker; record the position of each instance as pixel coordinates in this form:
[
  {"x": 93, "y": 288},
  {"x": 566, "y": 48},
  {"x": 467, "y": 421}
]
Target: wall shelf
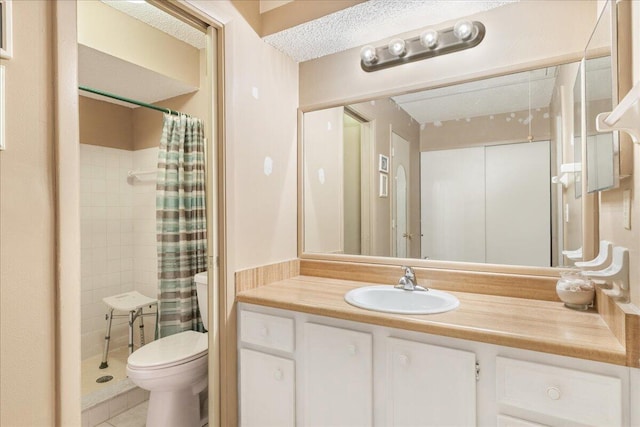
[{"x": 625, "y": 117}]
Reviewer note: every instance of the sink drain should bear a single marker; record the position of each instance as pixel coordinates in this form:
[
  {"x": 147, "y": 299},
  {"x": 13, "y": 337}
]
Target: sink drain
[{"x": 104, "y": 379}]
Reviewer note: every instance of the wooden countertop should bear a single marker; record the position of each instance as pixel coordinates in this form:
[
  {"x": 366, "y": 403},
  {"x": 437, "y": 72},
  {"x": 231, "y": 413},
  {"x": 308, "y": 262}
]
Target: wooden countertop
[{"x": 544, "y": 326}]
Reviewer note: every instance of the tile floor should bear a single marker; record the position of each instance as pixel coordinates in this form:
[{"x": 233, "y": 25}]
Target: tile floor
[{"x": 134, "y": 417}]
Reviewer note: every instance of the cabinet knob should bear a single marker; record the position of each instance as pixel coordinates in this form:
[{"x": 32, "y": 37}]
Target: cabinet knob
[
  {"x": 352, "y": 349},
  {"x": 553, "y": 393},
  {"x": 264, "y": 331},
  {"x": 403, "y": 359},
  {"x": 278, "y": 375}
]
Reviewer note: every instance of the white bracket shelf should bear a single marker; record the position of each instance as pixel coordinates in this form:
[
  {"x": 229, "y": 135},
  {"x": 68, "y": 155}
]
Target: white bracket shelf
[{"x": 625, "y": 117}]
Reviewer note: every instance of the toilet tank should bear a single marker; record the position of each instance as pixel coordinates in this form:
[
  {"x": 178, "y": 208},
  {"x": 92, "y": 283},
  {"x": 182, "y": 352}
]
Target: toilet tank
[{"x": 202, "y": 292}]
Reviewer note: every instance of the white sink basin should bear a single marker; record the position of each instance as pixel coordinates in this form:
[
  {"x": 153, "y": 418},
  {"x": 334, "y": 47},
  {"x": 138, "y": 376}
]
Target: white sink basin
[{"x": 388, "y": 299}]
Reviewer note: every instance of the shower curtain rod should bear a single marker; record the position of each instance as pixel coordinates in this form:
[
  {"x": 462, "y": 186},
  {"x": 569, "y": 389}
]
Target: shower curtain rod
[{"x": 131, "y": 101}]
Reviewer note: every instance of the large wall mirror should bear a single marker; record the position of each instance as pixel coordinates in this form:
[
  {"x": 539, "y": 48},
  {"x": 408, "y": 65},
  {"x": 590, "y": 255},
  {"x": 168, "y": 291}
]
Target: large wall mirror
[
  {"x": 485, "y": 172},
  {"x": 478, "y": 172}
]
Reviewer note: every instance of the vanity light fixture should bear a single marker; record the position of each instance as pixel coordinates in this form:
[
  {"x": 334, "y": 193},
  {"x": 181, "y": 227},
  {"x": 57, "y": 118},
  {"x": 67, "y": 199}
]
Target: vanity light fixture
[
  {"x": 463, "y": 30},
  {"x": 429, "y": 39},
  {"x": 397, "y": 47},
  {"x": 368, "y": 55},
  {"x": 463, "y": 35}
]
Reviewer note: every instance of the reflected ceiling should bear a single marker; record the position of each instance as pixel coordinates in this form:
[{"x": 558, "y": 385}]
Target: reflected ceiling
[{"x": 505, "y": 94}]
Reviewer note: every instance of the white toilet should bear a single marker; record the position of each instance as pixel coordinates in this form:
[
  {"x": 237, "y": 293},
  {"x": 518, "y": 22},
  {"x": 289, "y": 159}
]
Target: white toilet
[{"x": 174, "y": 370}]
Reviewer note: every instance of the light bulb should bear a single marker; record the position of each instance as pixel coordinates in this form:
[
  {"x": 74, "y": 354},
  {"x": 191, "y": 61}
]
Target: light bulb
[
  {"x": 368, "y": 54},
  {"x": 397, "y": 47},
  {"x": 463, "y": 29},
  {"x": 429, "y": 39}
]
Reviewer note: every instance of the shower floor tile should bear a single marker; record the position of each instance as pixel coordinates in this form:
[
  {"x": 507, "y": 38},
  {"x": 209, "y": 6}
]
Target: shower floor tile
[{"x": 91, "y": 372}]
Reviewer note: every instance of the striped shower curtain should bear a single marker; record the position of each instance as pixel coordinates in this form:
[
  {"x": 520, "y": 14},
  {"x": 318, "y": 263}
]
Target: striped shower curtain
[{"x": 180, "y": 223}]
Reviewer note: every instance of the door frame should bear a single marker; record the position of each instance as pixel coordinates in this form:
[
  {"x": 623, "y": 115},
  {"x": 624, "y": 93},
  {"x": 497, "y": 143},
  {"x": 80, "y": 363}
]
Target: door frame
[{"x": 68, "y": 251}]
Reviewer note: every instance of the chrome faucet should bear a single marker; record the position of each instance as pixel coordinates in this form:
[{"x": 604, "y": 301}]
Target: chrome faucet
[{"x": 408, "y": 281}]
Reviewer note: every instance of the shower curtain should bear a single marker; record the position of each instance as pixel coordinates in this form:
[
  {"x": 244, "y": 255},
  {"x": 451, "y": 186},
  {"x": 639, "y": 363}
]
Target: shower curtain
[{"x": 180, "y": 223}]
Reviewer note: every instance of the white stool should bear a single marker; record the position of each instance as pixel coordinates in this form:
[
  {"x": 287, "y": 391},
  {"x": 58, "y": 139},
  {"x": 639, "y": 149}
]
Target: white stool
[{"x": 131, "y": 303}]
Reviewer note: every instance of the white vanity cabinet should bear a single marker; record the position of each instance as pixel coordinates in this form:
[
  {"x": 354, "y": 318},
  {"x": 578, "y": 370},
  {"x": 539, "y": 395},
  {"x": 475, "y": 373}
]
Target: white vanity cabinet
[
  {"x": 429, "y": 385},
  {"x": 558, "y": 396},
  {"x": 267, "y": 381},
  {"x": 267, "y": 387},
  {"x": 336, "y": 377},
  {"x": 309, "y": 370}
]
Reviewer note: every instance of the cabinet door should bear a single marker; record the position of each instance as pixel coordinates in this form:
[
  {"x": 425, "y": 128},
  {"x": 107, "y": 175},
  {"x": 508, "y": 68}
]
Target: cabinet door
[
  {"x": 267, "y": 390},
  {"x": 555, "y": 395},
  {"x": 337, "y": 376},
  {"x": 504, "y": 421},
  {"x": 429, "y": 385}
]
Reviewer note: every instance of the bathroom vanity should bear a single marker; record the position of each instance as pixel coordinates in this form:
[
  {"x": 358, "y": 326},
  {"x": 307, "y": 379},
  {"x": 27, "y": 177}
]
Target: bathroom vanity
[{"x": 306, "y": 357}]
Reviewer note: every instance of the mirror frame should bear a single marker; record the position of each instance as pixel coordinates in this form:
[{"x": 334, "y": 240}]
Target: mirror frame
[
  {"x": 594, "y": 53},
  {"x": 414, "y": 262},
  {"x": 589, "y": 202}
]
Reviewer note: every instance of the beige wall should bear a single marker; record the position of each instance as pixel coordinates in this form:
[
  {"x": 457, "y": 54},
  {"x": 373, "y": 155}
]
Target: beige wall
[
  {"x": 147, "y": 123},
  {"x": 27, "y": 262},
  {"x": 261, "y": 209},
  {"x": 110, "y": 31},
  {"x": 386, "y": 118},
  {"x": 337, "y": 78},
  {"x": 105, "y": 124}
]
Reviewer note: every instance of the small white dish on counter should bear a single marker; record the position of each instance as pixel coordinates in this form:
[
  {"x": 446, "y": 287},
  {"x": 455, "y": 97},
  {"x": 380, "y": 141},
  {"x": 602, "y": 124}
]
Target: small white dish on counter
[
  {"x": 575, "y": 290},
  {"x": 387, "y": 299}
]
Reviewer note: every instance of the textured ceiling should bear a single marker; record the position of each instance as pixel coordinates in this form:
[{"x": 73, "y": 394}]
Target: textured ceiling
[
  {"x": 160, "y": 20},
  {"x": 505, "y": 94},
  {"x": 370, "y": 21}
]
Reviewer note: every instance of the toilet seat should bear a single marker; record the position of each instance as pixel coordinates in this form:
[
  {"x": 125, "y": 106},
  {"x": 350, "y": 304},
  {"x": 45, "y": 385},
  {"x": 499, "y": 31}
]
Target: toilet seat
[{"x": 170, "y": 351}]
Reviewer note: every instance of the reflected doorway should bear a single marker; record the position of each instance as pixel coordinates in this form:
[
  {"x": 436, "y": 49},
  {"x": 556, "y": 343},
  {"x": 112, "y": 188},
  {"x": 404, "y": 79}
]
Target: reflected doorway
[
  {"x": 357, "y": 173},
  {"x": 400, "y": 159}
]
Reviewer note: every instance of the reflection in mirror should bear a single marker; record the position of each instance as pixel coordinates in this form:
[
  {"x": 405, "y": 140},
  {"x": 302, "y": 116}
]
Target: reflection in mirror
[
  {"x": 577, "y": 131},
  {"x": 602, "y": 148},
  {"x": 479, "y": 172},
  {"x": 572, "y": 167}
]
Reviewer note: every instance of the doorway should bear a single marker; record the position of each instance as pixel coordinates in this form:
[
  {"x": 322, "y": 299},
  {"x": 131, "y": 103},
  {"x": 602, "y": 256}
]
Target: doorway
[
  {"x": 401, "y": 158},
  {"x": 119, "y": 139}
]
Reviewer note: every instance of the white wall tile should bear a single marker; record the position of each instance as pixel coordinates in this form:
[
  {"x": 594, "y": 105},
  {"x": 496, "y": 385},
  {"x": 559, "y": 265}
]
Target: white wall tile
[
  {"x": 110, "y": 237},
  {"x": 126, "y": 276},
  {"x": 98, "y": 173}
]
